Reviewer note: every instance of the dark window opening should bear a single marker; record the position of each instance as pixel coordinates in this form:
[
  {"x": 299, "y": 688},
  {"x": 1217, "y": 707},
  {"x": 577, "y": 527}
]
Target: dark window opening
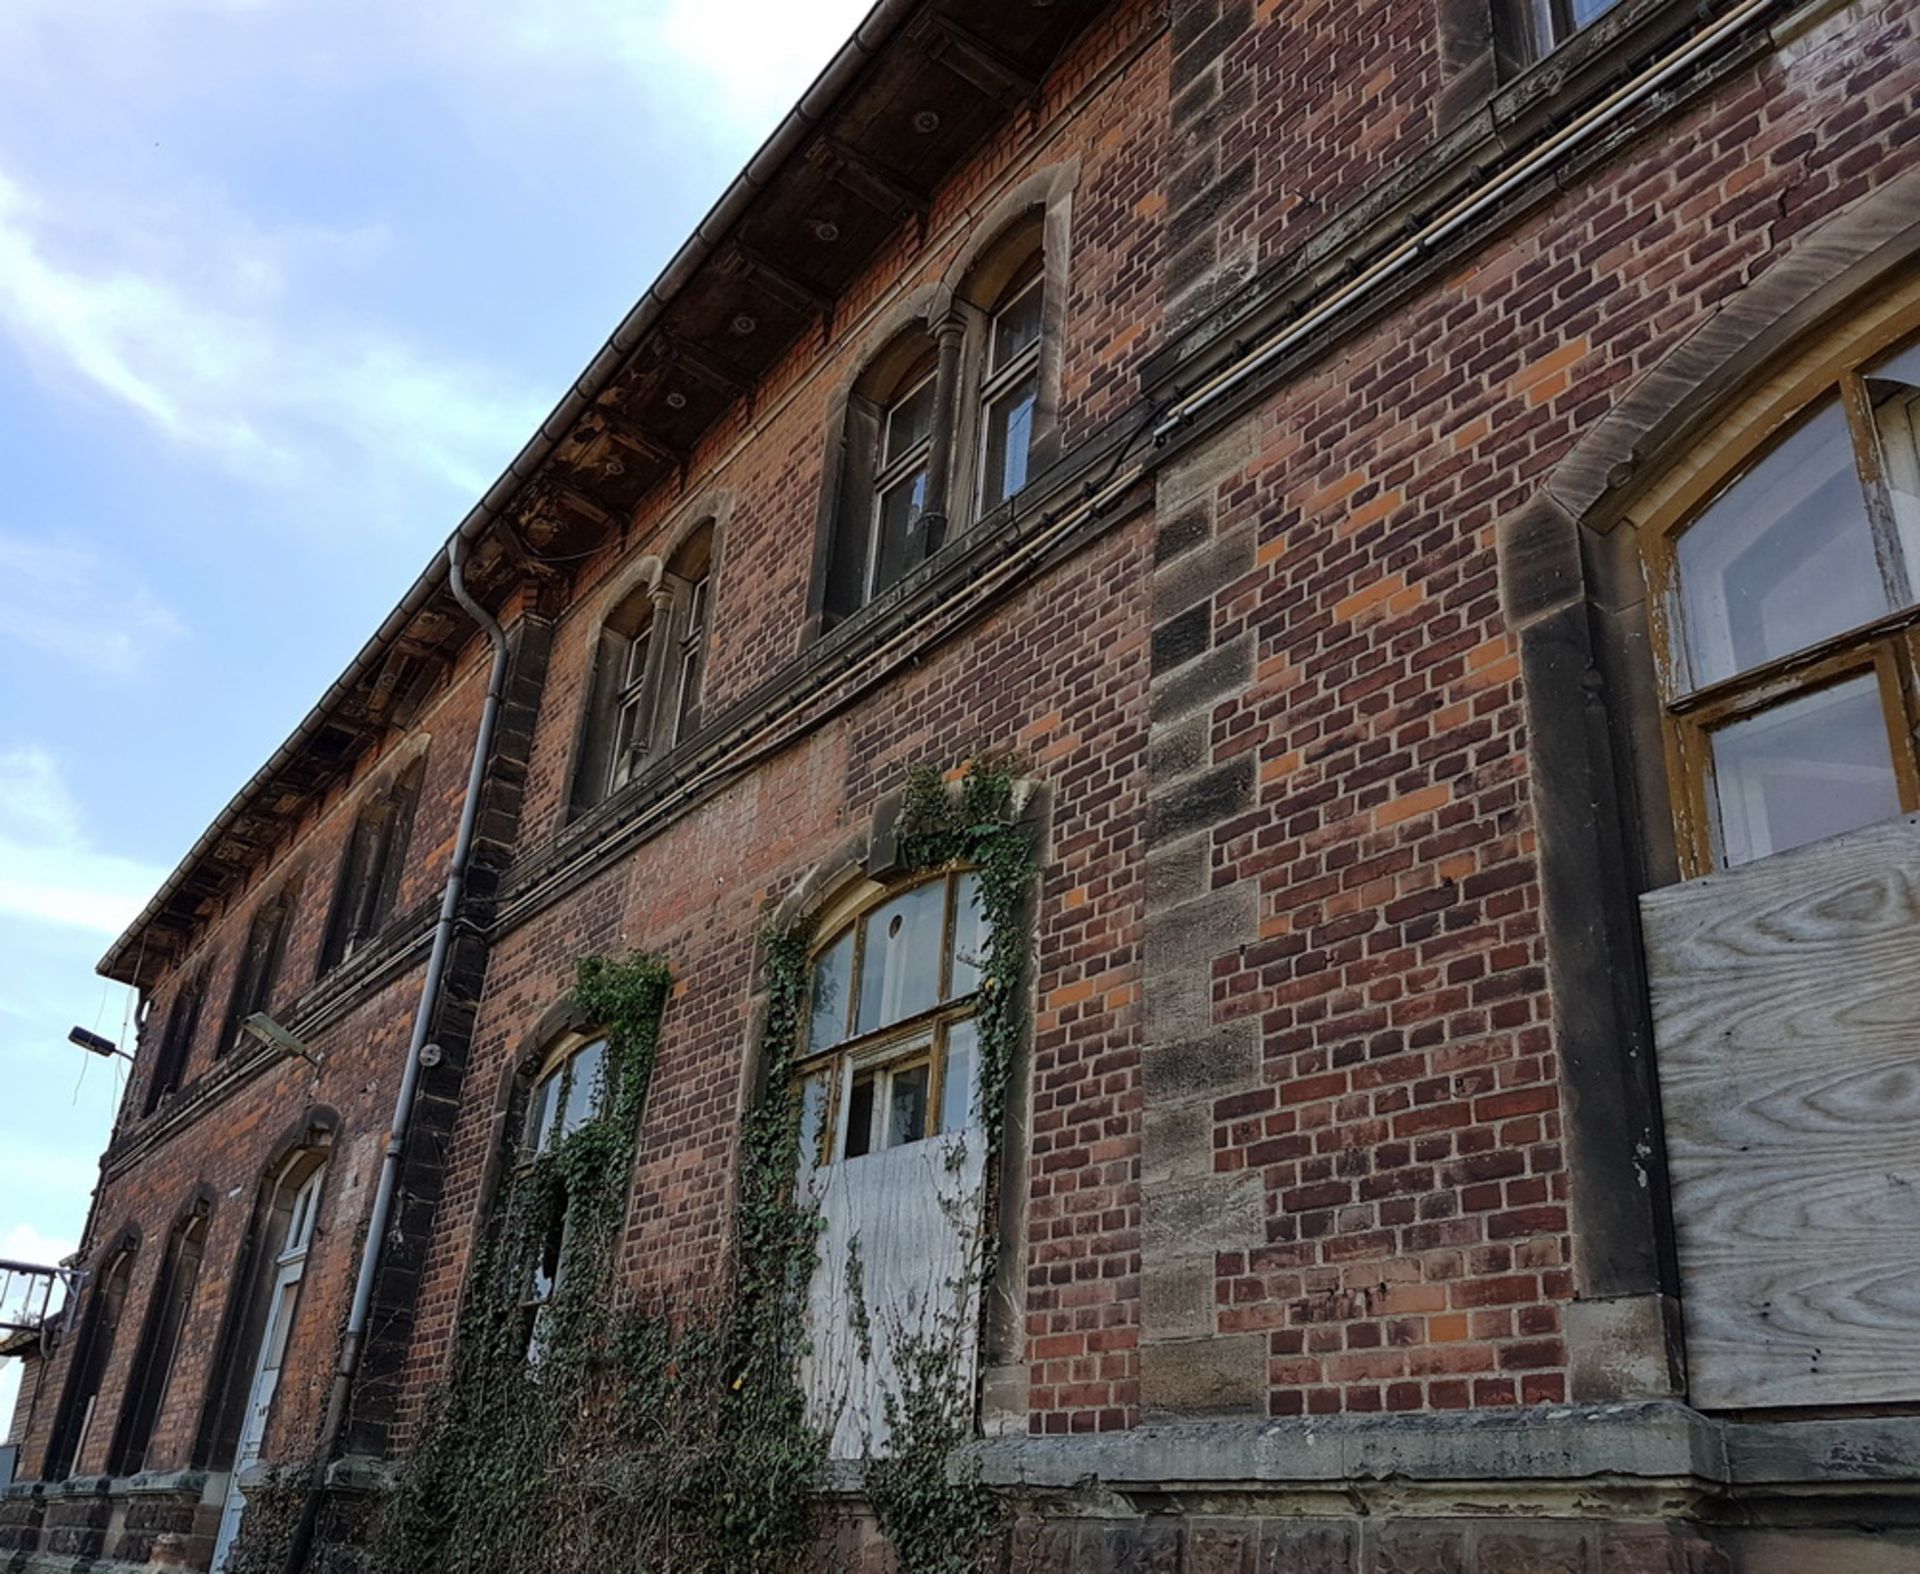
[
  {"x": 73, "y": 1423},
  {"x": 159, "y": 1345},
  {"x": 259, "y": 968},
  {"x": 176, "y": 1043},
  {"x": 369, "y": 884}
]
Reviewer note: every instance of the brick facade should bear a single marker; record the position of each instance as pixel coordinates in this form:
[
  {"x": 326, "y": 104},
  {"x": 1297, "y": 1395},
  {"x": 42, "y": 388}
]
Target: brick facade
[{"x": 1312, "y": 1132}]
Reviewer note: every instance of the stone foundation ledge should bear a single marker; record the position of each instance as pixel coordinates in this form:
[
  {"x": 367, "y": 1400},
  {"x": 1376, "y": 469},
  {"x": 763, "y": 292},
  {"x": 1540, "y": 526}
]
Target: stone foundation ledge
[{"x": 1658, "y": 1457}]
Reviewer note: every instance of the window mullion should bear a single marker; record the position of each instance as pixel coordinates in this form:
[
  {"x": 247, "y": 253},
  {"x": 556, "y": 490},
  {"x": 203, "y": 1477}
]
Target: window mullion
[{"x": 1894, "y": 570}]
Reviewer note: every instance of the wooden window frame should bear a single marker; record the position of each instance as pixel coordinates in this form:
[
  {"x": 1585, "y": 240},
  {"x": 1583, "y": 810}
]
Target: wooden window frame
[
  {"x": 258, "y": 969},
  {"x": 923, "y": 1037},
  {"x": 1887, "y": 646}
]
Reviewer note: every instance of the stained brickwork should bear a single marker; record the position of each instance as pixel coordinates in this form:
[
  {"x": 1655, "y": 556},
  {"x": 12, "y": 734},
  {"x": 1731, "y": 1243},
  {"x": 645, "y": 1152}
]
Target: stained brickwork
[{"x": 1297, "y": 1123}]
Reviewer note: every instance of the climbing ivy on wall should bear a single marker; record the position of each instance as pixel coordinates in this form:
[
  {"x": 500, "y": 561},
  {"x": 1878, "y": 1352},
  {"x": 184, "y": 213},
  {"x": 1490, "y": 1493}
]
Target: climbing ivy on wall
[{"x": 651, "y": 1436}]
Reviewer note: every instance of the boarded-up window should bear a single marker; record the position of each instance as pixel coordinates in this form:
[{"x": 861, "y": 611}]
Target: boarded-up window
[
  {"x": 74, "y": 1421},
  {"x": 1786, "y": 1001},
  {"x": 892, "y": 1152}
]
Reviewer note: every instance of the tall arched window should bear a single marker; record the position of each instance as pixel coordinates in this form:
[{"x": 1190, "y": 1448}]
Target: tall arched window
[
  {"x": 649, "y": 672},
  {"x": 1788, "y": 586},
  {"x": 258, "y": 968},
  {"x": 889, "y": 1054},
  {"x": 370, "y": 868},
  {"x": 243, "y": 1408},
  {"x": 74, "y": 1421},
  {"x": 176, "y": 1042},
  {"x": 159, "y": 1344},
  {"x": 569, "y": 1089},
  {"x": 891, "y": 1149},
  {"x": 945, "y": 424}
]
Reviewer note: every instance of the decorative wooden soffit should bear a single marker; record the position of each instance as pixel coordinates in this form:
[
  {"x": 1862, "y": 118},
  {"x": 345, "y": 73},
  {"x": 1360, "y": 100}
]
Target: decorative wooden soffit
[
  {"x": 971, "y": 58},
  {"x": 702, "y": 365},
  {"x": 624, "y": 436},
  {"x": 405, "y": 679},
  {"x": 798, "y": 295},
  {"x": 866, "y": 180}
]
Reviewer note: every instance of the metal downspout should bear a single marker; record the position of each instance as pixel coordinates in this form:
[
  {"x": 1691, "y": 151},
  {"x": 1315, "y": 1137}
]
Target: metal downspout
[{"x": 353, "y": 1341}]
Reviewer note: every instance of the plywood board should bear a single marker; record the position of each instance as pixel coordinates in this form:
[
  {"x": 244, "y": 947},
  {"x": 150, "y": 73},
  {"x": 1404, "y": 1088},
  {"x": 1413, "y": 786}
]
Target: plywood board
[
  {"x": 911, "y": 1215},
  {"x": 1786, "y": 1004}
]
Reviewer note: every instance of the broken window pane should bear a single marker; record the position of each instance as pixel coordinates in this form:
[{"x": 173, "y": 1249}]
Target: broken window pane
[
  {"x": 1810, "y": 768},
  {"x": 860, "y": 1115},
  {"x": 907, "y": 1104}
]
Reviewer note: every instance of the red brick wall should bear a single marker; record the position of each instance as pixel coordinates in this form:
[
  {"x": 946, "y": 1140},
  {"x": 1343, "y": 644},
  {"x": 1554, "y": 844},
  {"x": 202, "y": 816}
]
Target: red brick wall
[{"x": 1406, "y": 1127}]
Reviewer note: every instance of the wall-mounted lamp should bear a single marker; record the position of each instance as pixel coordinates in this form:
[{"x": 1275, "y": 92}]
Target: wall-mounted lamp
[
  {"x": 275, "y": 1037},
  {"x": 94, "y": 1044}
]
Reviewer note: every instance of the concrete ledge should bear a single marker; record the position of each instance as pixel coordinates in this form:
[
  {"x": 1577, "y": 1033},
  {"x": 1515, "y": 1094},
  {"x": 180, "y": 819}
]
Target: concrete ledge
[{"x": 1657, "y": 1442}]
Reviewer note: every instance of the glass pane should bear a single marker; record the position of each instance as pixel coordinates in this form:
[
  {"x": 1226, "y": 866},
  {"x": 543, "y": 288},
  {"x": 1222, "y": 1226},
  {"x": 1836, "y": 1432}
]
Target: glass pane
[
  {"x": 583, "y": 1087},
  {"x": 1585, "y": 11},
  {"x": 956, "y": 1078},
  {"x": 813, "y": 1120},
  {"x": 635, "y": 667},
  {"x": 910, "y": 421},
  {"x": 832, "y": 985},
  {"x": 900, "y": 506},
  {"x": 900, "y": 973},
  {"x": 907, "y": 1104},
  {"x": 860, "y": 1115},
  {"x": 1017, "y": 327},
  {"x": 540, "y": 1110},
  {"x": 1812, "y": 767},
  {"x": 1009, "y": 439},
  {"x": 1783, "y": 557},
  {"x": 969, "y": 936},
  {"x": 1895, "y": 387}
]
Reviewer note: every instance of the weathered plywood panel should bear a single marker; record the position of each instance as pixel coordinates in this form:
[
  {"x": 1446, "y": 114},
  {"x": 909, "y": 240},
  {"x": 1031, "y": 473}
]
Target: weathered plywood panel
[
  {"x": 1786, "y": 1004},
  {"x": 910, "y": 1217}
]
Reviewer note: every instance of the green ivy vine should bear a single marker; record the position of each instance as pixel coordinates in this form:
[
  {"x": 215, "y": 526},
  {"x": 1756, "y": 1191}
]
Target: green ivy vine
[{"x": 652, "y": 1437}]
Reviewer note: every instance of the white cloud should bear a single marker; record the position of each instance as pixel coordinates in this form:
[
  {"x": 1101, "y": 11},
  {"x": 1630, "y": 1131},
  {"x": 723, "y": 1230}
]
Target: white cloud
[
  {"x": 69, "y": 601},
  {"x": 49, "y": 870},
  {"x": 25, "y": 1243},
  {"x": 187, "y": 315}
]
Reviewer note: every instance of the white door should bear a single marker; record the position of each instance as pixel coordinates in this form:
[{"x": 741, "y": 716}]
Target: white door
[{"x": 291, "y": 1264}]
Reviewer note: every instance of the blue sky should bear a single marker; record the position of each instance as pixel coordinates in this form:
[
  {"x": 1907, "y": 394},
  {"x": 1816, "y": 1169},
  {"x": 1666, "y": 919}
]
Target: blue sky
[{"x": 283, "y": 285}]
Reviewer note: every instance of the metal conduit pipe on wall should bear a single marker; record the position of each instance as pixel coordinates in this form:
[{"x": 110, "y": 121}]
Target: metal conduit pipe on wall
[{"x": 353, "y": 1341}]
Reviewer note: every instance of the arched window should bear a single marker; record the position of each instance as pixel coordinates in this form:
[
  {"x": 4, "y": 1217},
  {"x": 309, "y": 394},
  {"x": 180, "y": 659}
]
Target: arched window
[
  {"x": 176, "y": 1042},
  {"x": 243, "y": 1408},
  {"x": 889, "y": 1055},
  {"x": 569, "y": 1090},
  {"x": 1788, "y": 586},
  {"x": 649, "y": 673},
  {"x": 946, "y": 423},
  {"x": 891, "y": 1150},
  {"x": 73, "y": 1422},
  {"x": 259, "y": 966},
  {"x": 376, "y": 852},
  {"x": 159, "y": 1342}
]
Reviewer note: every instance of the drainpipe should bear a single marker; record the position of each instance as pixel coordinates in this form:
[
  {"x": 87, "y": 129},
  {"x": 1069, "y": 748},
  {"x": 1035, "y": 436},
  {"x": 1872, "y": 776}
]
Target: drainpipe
[{"x": 353, "y": 1342}]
